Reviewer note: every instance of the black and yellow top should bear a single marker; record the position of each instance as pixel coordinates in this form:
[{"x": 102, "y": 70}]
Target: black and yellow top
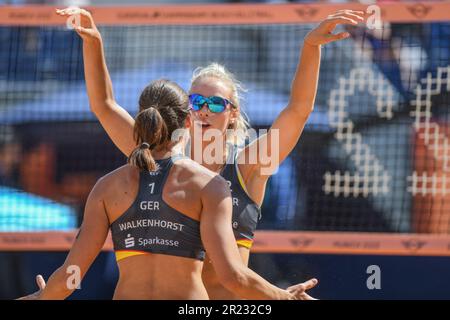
[
  {"x": 151, "y": 226},
  {"x": 246, "y": 212}
]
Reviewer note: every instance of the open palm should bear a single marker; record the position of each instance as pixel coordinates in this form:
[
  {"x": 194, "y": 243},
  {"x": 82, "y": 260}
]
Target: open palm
[{"x": 323, "y": 33}]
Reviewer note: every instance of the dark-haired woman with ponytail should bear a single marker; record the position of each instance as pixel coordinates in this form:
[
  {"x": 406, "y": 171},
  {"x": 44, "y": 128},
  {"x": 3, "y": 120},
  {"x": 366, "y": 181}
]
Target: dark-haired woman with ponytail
[{"x": 164, "y": 210}]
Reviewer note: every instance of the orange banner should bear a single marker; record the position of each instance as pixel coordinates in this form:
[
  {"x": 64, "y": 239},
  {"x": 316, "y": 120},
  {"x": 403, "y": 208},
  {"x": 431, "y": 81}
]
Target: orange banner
[
  {"x": 292, "y": 242},
  {"x": 225, "y": 14},
  {"x": 352, "y": 243}
]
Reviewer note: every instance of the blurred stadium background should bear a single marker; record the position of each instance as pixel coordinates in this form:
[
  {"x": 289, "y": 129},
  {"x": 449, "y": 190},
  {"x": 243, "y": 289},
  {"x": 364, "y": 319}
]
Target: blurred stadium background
[{"x": 374, "y": 157}]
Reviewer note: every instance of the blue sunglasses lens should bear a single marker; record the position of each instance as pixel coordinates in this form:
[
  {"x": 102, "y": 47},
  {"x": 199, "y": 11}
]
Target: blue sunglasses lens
[
  {"x": 197, "y": 101},
  {"x": 215, "y": 104}
]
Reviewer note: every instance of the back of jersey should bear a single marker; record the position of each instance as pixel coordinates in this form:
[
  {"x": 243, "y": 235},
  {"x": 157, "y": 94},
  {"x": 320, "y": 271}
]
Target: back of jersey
[{"x": 150, "y": 225}]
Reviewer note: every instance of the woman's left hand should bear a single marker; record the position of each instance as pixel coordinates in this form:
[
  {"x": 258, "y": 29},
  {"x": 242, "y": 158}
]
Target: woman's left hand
[
  {"x": 323, "y": 33},
  {"x": 37, "y": 295}
]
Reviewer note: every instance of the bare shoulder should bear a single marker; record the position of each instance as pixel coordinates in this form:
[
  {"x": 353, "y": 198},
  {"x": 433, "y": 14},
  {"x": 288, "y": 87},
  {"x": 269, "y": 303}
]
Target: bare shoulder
[{"x": 115, "y": 180}]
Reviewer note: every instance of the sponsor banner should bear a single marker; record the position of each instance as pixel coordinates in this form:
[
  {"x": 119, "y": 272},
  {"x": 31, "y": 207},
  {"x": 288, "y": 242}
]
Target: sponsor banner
[
  {"x": 41, "y": 241},
  {"x": 270, "y": 242},
  {"x": 425, "y": 11},
  {"x": 351, "y": 243}
]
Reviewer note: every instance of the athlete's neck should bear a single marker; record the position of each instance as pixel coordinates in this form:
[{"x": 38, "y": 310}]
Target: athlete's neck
[{"x": 168, "y": 152}]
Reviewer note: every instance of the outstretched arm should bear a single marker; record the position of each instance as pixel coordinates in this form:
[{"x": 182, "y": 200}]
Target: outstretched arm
[
  {"x": 116, "y": 121},
  {"x": 89, "y": 242},
  {"x": 217, "y": 236},
  {"x": 288, "y": 126}
]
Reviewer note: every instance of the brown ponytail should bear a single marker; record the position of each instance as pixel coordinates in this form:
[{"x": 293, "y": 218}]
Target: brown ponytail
[
  {"x": 163, "y": 108},
  {"x": 150, "y": 131}
]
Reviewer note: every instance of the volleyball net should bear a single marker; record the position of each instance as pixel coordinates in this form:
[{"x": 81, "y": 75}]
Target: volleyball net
[{"x": 371, "y": 173}]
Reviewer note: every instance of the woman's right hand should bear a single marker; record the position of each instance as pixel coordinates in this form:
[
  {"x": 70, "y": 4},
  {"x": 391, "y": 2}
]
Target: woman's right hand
[
  {"x": 82, "y": 22},
  {"x": 299, "y": 290},
  {"x": 37, "y": 295}
]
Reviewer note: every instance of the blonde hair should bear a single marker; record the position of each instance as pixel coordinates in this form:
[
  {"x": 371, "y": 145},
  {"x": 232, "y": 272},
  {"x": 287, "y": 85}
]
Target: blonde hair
[{"x": 241, "y": 125}]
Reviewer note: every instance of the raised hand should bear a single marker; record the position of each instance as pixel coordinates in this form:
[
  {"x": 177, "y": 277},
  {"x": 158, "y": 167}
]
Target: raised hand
[
  {"x": 82, "y": 22},
  {"x": 323, "y": 33}
]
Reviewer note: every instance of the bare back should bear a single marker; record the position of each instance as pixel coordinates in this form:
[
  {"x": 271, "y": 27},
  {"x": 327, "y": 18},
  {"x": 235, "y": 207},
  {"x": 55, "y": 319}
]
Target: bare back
[{"x": 159, "y": 276}]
